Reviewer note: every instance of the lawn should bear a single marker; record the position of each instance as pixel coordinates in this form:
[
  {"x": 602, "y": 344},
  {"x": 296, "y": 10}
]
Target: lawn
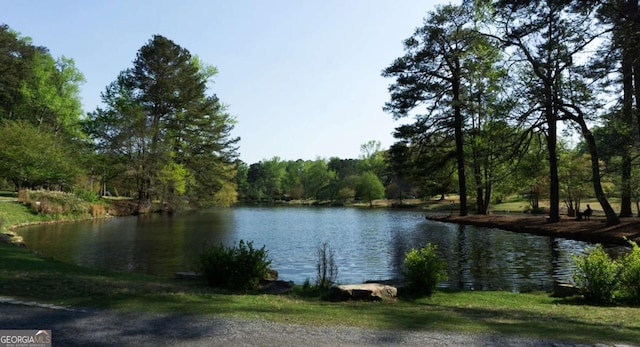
[{"x": 26, "y": 276}]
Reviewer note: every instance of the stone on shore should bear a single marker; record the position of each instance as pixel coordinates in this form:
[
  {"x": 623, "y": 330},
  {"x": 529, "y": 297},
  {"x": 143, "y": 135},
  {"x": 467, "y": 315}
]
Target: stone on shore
[
  {"x": 275, "y": 287},
  {"x": 564, "y": 290},
  {"x": 365, "y": 291}
]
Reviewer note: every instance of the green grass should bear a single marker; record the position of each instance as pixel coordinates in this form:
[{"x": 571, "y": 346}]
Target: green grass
[
  {"x": 13, "y": 213},
  {"x": 26, "y": 276}
]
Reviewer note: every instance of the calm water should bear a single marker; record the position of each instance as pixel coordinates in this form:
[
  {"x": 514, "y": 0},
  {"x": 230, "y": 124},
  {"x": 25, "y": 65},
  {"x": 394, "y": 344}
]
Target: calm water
[{"x": 368, "y": 244}]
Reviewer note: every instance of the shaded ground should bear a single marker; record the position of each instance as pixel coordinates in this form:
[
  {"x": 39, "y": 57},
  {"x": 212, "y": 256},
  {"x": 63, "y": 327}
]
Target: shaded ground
[
  {"x": 112, "y": 328},
  {"x": 594, "y": 230}
]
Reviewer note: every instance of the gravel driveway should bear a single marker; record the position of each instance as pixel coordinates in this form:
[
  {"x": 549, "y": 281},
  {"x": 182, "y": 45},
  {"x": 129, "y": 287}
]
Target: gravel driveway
[{"x": 114, "y": 328}]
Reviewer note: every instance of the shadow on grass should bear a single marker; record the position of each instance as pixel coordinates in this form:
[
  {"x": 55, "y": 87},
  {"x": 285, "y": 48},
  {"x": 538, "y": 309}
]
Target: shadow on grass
[
  {"x": 27, "y": 276},
  {"x": 516, "y": 322}
]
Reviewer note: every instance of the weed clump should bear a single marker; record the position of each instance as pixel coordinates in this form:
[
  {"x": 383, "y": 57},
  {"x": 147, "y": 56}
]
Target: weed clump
[{"x": 326, "y": 268}]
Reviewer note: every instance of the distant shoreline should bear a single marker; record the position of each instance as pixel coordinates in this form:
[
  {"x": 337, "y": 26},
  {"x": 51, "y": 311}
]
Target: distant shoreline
[{"x": 594, "y": 230}]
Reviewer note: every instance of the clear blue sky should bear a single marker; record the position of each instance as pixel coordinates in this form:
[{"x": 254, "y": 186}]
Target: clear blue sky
[{"x": 301, "y": 77}]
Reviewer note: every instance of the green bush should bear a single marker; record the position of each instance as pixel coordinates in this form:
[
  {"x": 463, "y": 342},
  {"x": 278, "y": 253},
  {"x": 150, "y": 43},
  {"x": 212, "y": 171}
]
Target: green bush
[
  {"x": 87, "y": 195},
  {"x": 595, "y": 275},
  {"x": 237, "y": 268},
  {"x": 423, "y": 270},
  {"x": 630, "y": 273}
]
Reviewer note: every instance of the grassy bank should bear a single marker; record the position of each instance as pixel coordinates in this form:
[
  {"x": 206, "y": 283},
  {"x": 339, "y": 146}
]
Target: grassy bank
[{"x": 26, "y": 276}]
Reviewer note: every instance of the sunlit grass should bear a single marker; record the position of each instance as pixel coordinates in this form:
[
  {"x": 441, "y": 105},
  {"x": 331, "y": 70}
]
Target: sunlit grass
[{"x": 13, "y": 213}]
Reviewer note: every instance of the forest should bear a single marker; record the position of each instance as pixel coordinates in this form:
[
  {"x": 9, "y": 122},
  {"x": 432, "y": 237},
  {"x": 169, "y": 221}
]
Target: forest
[{"x": 495, "y": 98}]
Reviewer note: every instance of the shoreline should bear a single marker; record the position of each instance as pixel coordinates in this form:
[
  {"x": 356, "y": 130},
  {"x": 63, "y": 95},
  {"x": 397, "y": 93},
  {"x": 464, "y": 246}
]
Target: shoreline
[{"x": 593, "y": 231}]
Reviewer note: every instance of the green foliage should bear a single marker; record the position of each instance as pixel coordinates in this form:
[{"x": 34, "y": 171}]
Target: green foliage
[
  {"x": 630, "y": 273},
  {"x": 237, "y": 268},
  {"x": 596, "y": 275},
  {"x": 575, "y": 177},
  {"x": 37, "y": 88},
  {"x": 369, "y": 187},
  {"x": 31, "y": 156},
  {"x": 86, "y": 195},
  {"x": 423, "y": 269}
]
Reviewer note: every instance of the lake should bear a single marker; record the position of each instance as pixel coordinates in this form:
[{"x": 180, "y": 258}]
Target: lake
[{"x": 369, "y": 244}]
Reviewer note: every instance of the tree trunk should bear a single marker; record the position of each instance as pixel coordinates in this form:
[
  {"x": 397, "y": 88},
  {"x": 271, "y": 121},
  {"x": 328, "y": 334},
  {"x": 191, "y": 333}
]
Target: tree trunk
[
  {"x": 625, "y": 130},
  {"x": 457, "y": 113},
  {"x": 477, "y": 174},
  {"x": 612, "y": 218},
  {"x": 487, "y": 196},
  {"x": 625, "y": 199},
  {"x": 554, "y": 185}
]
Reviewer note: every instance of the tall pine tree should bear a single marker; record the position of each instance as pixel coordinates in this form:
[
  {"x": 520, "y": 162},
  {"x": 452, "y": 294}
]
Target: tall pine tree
[{"x": 167, "y": 133}]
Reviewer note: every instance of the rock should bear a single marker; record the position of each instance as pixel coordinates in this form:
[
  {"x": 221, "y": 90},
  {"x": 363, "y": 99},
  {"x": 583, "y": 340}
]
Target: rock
[
  {"x": 275, "y": 287},
  {"x": 564, "y": 290},
  {"x": 271, "y": 275},
  {"x": 366, "y": 291}
]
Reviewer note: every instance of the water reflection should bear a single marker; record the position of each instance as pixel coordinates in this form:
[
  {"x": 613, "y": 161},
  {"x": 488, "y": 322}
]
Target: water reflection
[{"x": 368, "y": 244}]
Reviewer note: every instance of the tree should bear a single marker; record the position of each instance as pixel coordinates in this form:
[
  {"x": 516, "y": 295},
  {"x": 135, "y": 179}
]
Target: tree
[
  {"x": 372, "y": 159},
  {"x": 40, "y": 113},
  {"x": 548, "y": 39},
  {"x": 575, "y": 179},
  {"x": 51, "y": 95},
  {"x": 315, "y": 177},
  {"x": 158, "y": 117},
  {"x": 490, "y": 138},
  {"x": 431, "y": 74},
  {"x": 292, "y": 181},
  {"x": 621, "y": 57},
  {"x": 370, "y": 187},
  {"x": 16, "y": 56},
  {"x": 530, "y": 171},
  {"x": 31, "y": 157},
  {"x": 38, "y": 88}
]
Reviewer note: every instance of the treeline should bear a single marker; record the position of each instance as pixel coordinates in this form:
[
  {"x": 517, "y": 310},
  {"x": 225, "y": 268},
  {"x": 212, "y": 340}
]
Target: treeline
[
  {"x": 335, "y": 181},
  {"x": 159, "y": 137}
]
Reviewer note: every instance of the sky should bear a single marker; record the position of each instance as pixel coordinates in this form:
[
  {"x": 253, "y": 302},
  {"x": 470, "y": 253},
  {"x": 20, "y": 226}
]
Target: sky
[{"x": 301, "y": 77}]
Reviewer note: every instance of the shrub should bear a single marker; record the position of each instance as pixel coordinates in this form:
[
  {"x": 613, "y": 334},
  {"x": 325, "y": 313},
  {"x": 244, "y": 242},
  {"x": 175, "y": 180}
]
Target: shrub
[
  {"x": 630, "y": 273},
  {"x": 595, "y": 275},
  {"x": 326, "y": 268},
  {"x": 238, "y": 268},
  {"x": 423, "y": 270},
  {"x": 87, "y": 195},
  {"x": 54, "y": 202}
]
